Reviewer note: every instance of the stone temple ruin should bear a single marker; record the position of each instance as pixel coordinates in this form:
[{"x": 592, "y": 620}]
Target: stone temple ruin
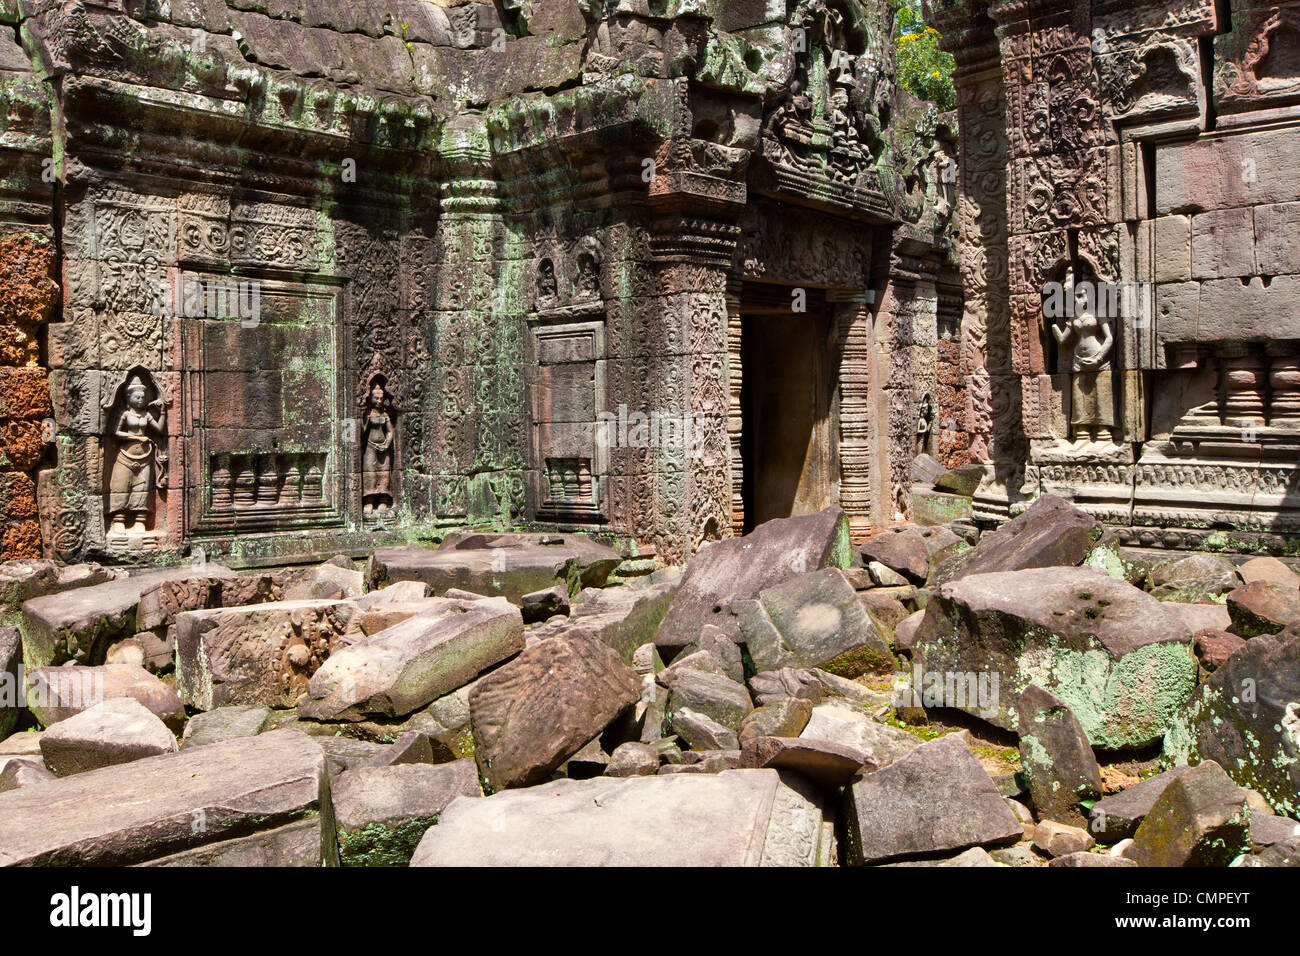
[
  {"x": 378, "y": 270},
  {"x": 418, "y": 411},
  {"x": 1148, "y": 150}
]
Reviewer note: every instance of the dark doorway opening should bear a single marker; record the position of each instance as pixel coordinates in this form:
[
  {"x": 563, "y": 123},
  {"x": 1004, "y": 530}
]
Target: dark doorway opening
[{"x": 789, "y": 436}]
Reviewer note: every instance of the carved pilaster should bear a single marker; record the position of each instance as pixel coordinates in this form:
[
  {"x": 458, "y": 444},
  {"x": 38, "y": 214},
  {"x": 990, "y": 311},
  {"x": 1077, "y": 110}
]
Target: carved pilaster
[
  {"x": 853, "y": 323},
  {"x": 735, "y": 412}
]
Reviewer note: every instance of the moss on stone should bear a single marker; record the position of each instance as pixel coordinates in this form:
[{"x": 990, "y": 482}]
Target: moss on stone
[{"x": 383, "y": 844}]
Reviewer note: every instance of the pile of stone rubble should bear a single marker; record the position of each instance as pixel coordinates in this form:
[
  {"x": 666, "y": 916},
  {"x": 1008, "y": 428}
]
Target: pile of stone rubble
[{"x": 501, "y": 700}]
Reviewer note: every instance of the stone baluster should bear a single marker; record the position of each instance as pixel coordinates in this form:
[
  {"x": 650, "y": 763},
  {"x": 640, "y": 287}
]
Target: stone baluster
[
  {"x": 1243, "y": 382},
  {"x": 1284, "y": 381},
  {"x": 268, "y": 481},
  {"x": 245, "y": 481},
  {"x": 222, "y": 492},
  {"x": 313, "y": 481},
  {"x": 291, "y": 486}
]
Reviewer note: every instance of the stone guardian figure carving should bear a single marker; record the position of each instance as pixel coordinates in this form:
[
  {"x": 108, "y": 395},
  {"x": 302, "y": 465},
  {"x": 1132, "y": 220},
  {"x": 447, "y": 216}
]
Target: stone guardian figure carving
[
  {"x": 140, "y": 461},
  {"x": 378, "y": 436},
  {"x": 1089, "y": 341}
]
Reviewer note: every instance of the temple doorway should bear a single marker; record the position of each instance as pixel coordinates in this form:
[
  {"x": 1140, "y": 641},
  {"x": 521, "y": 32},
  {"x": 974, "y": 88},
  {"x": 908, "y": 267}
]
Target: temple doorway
[{"x": 788, "y": 433}]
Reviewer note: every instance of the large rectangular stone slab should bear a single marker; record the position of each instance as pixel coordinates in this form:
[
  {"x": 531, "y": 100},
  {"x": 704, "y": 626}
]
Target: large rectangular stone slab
[
  {"x": 79, "y": 625},
  {"x": 383, "y": 812},
  {"x": 409, "y": 665},
  {"x": 936, "y": 799},
  {"x": 623, "y": 617},
  {"x": 261, "y": 654},
  {"x": 738, "y": 569},
  {"x": 158, "y": 806},
  {"x": 508, "y": 566},
  {"x": 295, "y": 844},
  {"x": 734, "y": 818}
]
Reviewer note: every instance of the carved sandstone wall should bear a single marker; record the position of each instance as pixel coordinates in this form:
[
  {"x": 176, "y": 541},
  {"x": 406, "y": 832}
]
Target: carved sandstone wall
[
  {"x": 1148, "y": 151},
  {"x": 342, "y": 274}
]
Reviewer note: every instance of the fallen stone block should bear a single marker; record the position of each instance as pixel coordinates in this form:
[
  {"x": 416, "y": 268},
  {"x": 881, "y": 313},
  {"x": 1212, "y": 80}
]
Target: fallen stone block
[
  {"x": 117, "y": 731},
  {"x": 879, "y": 743},
  {"x": 26, "y": 743},
  {"x": 1279, "y": 854},
  {"x": 769, "y": 686},
  {"x": 828, "y": 765},
  {"x": 925, "y": 469},
  {"x": 349, "y": 753},
  {"x": 696, "y": 661},
  {"x": 410, "y": 748},
  {"x": 1201, "y": 819},
  {"x": 1056, "y": 759},
  {"x": 813, "y": 620},
  {"x": 1118, "y": 816},
  {"x": 886, "y": 612},
  {"x": 1198, "y": 617},
  {"x": 533, "y": 713},
  {"x": 781, "y": 718},
  {"x": 324, "y": 582},
  {"x": 633, "y": 759},
  {"x": 161, "y": 601},
  {"x": 623, "y": 617},
  {"x": 905, "y": 633},
  {"x": 1058, "y": 839},
  {"x": 508, "y": 565},
  {"x": 1213, "y": 648},
  {"x": 884, "y": 577},
  {"x": 56, "y": 693},
  {"x": 399, "y": 592},
  {"x": 1268, "y": 570},
  {"x": 702, "y": 733},
  {"x": 226, "y": 723},
  {"x": 157, "y": 806},
  {"x": 1262, "y": 608},
  {"x": 974, "y": 857},
  {"x": 383, "y": 812},
  {"x": 1193, "y": 578},
  {"x": 1086, "y": 859},
  {"x": 724, "y": 650},
  {"x": 544, "y": 605},
  {"x": 24, "y": 772},
  {"x": 369, "y": 622},
  {"x": 590, "y": 761},
  {"x": 733, "y": 818},
  {"x": 1266, "y": 829},
  {"x": 1113, "y": 654},
  {"x": 714, "y": 761},
  {"x": 81, "y": 624},
  {"x": 410, "y": 665},
  {"x": 737, "y": 569},
  {"x": 1246, "y": 718},
  {"x": 718, "y": 697},
  {"x": 908, "y": 550},
  {"x": 964, "y": 481},
  {"x": 935, "y": 799},
  {"x": 292, "y": 845},
  {"x": 938, "y": 508},
  {"x": 1050, "y": 533},
  {"x": 26, "y": 578},
  {"x": 261, "y": 654}
]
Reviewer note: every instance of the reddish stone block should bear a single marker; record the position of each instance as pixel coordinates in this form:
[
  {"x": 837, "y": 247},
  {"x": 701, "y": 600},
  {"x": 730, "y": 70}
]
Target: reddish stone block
[
  {"x": 25, "y": 393},
  {"x": 17, "y": 495},
  {"x": 20, "y": 539},
  {"x": 28, "y": 292},
  {"x": 21, "y": 445}
]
